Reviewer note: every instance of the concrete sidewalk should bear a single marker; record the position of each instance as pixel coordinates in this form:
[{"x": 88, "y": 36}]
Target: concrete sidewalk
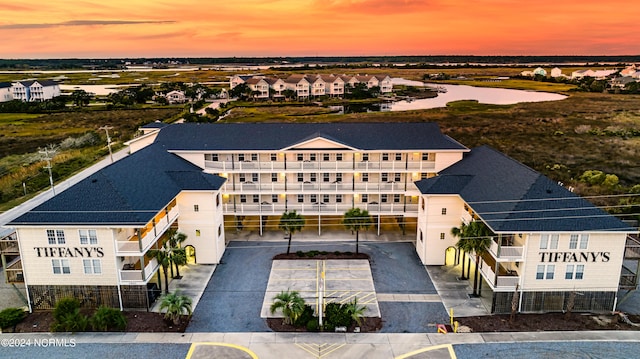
[{"x": 329, "y": 345}]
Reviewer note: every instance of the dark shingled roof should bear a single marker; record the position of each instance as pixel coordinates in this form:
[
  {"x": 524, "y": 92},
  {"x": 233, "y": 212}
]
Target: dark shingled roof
[
  {"x": 511, "y": 197},
  {"x": 129, "y": 192},
  {"x": 276, "y": 136},
  {"x": 5, "y": 85}
]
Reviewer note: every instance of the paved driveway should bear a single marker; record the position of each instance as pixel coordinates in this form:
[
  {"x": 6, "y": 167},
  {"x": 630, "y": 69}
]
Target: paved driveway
[{"x": 233, "y": 298}]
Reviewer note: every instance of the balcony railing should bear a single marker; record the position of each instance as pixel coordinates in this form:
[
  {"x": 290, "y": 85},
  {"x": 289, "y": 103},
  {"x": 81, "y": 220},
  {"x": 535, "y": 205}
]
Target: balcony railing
[
  {"x": 14, "y": 271},
  {"x": 135, "y": 246},
  {"x": 8, "y": 246},
  {"x": 506, "y": 253},
  {"x": 314, "y": 208},
  {"x": 313, "y": 187},
  {"x": 136, "y": 274},
  {"x": 506, "y": 281},
  {"x": 346, "y": 165}
]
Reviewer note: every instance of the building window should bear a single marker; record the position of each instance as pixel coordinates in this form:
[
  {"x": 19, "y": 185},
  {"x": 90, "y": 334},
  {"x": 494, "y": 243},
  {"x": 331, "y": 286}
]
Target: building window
[
  {"x": 398, "y": 156},
  {"x": 256, "y": 198},
  {"x": 196, "y": 208},
  {"x": 300, "y": 157},
  {"x": 540, "y": 272},
  {"x": 365, "y": 198},
  {"x": 55, "y": 236},
  {"x": 300, "y": 177},
  {"x": 385, "y": 157},
  {"x": 338, "y": 198},
  {"x": 365, "y": 177},
  {"x": 444, "y": 212},
  {"x": 424, "y": 175},
  {"x": 254, "y": 157},
  {"x": 88, "y": 236},
  {"x": 397, "y": 177},
  {"x": 549, "y": 241},
  {"x": 61, "y": 266},
  {"x": 584, "y": 241},
  {"x": 383, "y": 198},
  {"x": 442, "y": 236},
  {"x": 92, "y": 266},
  {"x": 274, "y": 157},
  {"x": 312, "y": 157},
  {"x": 384, "y": 177},
  {"x": 300, "y": 198},
  {"x": 241, "y": 177},
  {"x": 197, "y": 233},
  {"x": 274, "y": 198},
  {"x": 551, "y": 268},
  {"x": 254, "y": 177},
  {"x": 573, "y": 243},
  {"x": 338, "y": 177},
  {"x": 325, "y": 177},
  {"x": 241, "y": 157},
  {"x": 574, "y": 271},
  {"x": 312, "y": 177},
  {"x": 545, "y": 272},
  {"x": 325, "y": 157},
  {"x": 338, "y": 156},
  {"x": 210, "y": 157},
  {"x": 274, "y": 177},
  {"x": 425, "y": 156},
  {"x": 396, "y": 198},
  {"x": 365, "y": 157},
  {"x": 243, "y": 198},
  {"x": 325, "y": 198},
  {"x": 313, "y": 198}
]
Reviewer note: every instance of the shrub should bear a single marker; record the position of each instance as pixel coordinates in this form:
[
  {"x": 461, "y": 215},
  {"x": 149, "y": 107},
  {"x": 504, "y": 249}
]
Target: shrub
[
  {"x": 10, "y": 317},
  {"x": 300, "y": 253},
  {"x": 108, "y": 319},
  {"x": 305, "y": 317},
  {"x": 65, "y": 306},
  {"x": 67, "y": 316},
  {"x": 336, "y": 315},
  {"x": 312, "y": 325}
]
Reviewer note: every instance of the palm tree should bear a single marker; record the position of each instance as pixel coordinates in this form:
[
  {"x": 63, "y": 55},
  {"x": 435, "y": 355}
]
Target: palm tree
[
  {"x": 462, "y": 245},
  {"x": 476, "y": 237},
  {"x": 291, "y": 222},
  {"x": 356, "y": 312},
  {"x": 357, "y": 219},
  {"x": 291, "y": 304},
  {"x": 178, "y": 255},
  {"x": 162, "y": 255},
  {"x": 176, "y": 305}
]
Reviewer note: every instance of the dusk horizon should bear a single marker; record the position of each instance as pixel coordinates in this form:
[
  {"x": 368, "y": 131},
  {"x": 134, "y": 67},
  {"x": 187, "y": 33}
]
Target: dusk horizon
[{"x": 310, "y": 28}]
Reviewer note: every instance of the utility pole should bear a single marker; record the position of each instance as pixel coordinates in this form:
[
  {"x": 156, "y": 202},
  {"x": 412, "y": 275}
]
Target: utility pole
[
  {"x": 106, "y": 128},
  {"x": 47, "y": 155}
]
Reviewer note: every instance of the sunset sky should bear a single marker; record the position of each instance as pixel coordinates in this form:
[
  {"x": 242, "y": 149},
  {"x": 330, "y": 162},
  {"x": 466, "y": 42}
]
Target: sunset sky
[{"x": 221, "y": 28}]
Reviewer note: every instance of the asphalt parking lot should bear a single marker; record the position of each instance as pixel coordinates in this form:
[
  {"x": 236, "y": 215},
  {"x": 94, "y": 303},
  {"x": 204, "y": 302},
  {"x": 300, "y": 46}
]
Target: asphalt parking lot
[{"x": 233, "y": 298}]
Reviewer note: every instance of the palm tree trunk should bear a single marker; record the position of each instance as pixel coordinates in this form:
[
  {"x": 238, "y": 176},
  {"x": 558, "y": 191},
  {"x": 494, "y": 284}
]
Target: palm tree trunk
[
  {"x": 464, "y": 256},
  {"x": 178, "y": 276},
  {"x": 357, "y": 241},
  {"x": 166, "y": 279},
  {"x": 475, "y": 276},
  {"x": 289, "y": 245}
]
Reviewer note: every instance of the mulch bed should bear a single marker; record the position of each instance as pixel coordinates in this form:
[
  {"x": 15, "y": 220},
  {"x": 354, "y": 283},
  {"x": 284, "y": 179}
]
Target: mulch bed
[
  {"x": 368, "y": 325},
  {"x": 546, "y": 322},
  {"x": 137, "y": 321}
]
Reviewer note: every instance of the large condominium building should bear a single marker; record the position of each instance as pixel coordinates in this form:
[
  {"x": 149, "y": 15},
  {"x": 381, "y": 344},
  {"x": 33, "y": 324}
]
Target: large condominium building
[
  {"x": 93, "y": 238},
  {"x": 35, "y": 90}
]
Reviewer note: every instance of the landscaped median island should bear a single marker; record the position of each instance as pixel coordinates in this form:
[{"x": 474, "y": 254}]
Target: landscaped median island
[
  {"x": 547, "y": 322},
  {"x": 335, "y": 285}
]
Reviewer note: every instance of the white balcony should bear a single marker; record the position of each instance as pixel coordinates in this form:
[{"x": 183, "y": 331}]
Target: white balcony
[
  {"x": 315, "y": 208},
  {"x": 506, "y": 253},
  {"x": 505, "y": 281},
  {"x": 133, "y": 273},
  {"x": 327, "y": 166},
  {"x": 135, "y": 246}
]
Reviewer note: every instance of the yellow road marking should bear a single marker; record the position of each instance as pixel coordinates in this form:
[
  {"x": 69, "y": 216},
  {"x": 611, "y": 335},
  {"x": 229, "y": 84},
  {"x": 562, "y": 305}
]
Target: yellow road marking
[
  {"x": 449, "y": 347},
  {"x": 319, "y": 350},
  {"x": 194, "y": 345}
]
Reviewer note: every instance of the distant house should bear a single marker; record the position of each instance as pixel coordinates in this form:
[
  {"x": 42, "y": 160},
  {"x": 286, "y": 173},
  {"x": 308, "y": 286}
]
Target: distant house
[
  {"x": 175, "y": 97},
  {"x": 582, "y": 73},
  {"x": 35, "y": 90},
  {"x": 318, "y": 86},
  {"x": 628, "y": 71},
  {"x": 259, "y": 87},
  {"x": 385, "y": 83},
  {"x": 299, "y": 84},
  {"x": 539, "y": 71},
  {"x": 5, "y": 92},
  {"x": 238, "y": 80},
  {"x": 556, "y": 72},
  {"x": 603, "y": 74},
  {"x": 527, "y": 73},
  {"x": 334, "y": 85},
  {"x": 622, "y": 82},
  {"x": 276, "y": 86}
]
